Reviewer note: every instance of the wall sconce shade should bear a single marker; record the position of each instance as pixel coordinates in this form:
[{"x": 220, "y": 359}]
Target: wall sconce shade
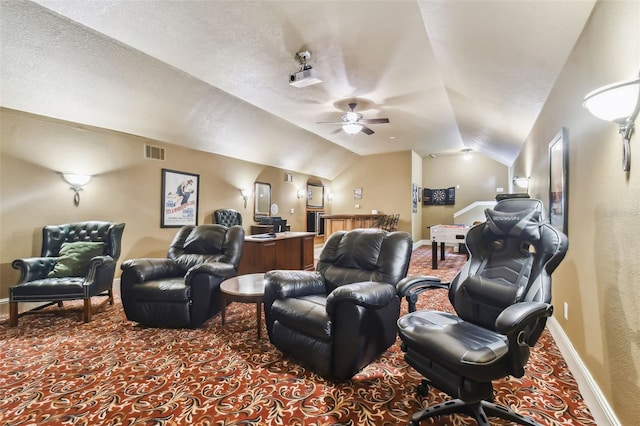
[
  {"x": 301, "y": 193},
  {"x": 351, "y": 128},
  {"x": 77, "y": 182},
  {"x": 245, "y": 195},
  {"x": 522, "y": 182},
  {"x": 329, "y": 196},
  {"x": 619, "y": 103}
]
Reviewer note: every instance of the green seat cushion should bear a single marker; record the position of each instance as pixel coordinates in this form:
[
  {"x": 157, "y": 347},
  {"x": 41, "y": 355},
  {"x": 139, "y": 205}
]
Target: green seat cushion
[{"x": 73, "y": 260}]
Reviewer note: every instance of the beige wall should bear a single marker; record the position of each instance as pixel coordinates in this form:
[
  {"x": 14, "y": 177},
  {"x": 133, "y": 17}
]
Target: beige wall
[
  {"x": 126, "y": 187},
  {"x": 475, "y": 179},
  {"x": 385, "y": 180},
  {"x": 599, "y": 278}
]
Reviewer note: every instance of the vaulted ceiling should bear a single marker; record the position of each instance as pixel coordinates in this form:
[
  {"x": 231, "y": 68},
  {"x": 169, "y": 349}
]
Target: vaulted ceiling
[{"x": 214, "y": 75}]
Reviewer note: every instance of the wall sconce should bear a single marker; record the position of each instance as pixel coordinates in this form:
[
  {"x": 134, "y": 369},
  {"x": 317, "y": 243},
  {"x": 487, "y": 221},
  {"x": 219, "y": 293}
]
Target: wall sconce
[
  {"x": 301, "y": 193},
  {"x": 617, "y": 102},
  {"x": 329, "y": 196},
  {"x": 245, "y": 195},
  {"x": 522, "y": 182},
  {"x": 77, "y": 182},
  {"x": 467, "y": 154}
]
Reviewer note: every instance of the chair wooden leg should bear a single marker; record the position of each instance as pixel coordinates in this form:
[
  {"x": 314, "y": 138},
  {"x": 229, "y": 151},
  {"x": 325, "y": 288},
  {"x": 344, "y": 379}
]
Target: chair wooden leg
[
  {"x": 13, "y": 314},
  {"x": 111, "y": 297},
  {"x": 59, "y": 303},
  {"x": 87, "y": 310}
]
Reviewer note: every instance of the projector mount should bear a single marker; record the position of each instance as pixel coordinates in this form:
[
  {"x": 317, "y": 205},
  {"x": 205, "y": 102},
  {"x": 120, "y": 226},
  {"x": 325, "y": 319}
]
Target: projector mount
[{"x": 302, "y": 58}]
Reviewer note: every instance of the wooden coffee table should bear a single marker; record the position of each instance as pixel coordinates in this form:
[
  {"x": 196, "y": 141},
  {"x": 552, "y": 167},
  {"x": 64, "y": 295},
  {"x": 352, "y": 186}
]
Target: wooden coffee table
[{"x": 244, "y": 289}]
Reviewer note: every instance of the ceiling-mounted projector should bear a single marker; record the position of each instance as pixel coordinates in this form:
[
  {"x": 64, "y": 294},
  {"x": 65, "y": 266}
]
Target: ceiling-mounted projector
[{"x": 306, "y": 76}]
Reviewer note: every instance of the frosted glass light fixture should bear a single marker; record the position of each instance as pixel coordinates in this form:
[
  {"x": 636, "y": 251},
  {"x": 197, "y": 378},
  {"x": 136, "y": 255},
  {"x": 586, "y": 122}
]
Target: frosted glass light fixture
[
  {"x": 617, "y": 102},
  {"x": 351, "y": 128},
  {"x": 77, "y": 182},
  {"x": 522, "y": 182}
]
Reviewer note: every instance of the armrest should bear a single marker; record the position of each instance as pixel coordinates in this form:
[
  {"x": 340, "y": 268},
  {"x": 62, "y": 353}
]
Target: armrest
[
  {"x": 97, "y": 263},
  {"x": 411, "y": 287},
  {"x": 517, "y": 317},
  {"x": 368, "y": 294},
  {"x": 289, "y": 284},
  {"x": 34, "y": 268},
  {"x": 100, "y": 274},
  {"x": 522, "y": 323},
  {"x": 151, "y": 268},
  {"x": 219, "y": 269}
]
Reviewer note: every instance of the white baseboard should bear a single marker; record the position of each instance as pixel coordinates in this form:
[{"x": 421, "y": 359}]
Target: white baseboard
[{"x": 598, "y": 405}]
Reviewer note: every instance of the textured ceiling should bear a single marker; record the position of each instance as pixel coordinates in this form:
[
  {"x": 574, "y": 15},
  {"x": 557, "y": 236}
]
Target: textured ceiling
[{"x": 213, "y": 75}]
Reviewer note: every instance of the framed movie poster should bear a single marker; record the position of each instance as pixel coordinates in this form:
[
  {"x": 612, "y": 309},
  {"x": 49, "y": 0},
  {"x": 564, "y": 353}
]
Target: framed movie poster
[
  {"x": 559, "y": 180},
  {"x": 179, "y": 199}
]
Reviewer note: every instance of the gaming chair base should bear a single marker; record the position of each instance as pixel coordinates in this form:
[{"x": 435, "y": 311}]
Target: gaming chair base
[{"x": 479, "y": 410}]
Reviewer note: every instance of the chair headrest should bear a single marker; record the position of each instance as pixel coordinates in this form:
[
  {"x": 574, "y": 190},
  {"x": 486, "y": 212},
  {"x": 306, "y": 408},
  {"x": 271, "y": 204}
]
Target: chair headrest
[
  {"x": 518, "y": 204},
  {"x": 521, "y": 224}
]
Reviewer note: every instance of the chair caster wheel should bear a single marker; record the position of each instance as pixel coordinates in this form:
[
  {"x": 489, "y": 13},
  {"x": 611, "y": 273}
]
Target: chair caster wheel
[{"x": 423, "y": 390}]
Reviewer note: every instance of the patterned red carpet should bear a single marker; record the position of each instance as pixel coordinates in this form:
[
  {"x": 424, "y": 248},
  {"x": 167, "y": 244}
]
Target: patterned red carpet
[{"x": 56, "y": 370}]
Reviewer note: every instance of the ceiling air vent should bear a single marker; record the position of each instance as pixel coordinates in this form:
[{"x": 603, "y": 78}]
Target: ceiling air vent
[{"x": 153, "y": 152}]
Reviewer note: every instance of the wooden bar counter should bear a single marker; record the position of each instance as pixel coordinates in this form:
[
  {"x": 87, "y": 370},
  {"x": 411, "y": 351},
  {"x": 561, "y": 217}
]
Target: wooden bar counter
[
  {"x": 347, "y": 222},
  {"x": 287, "y": 250}
]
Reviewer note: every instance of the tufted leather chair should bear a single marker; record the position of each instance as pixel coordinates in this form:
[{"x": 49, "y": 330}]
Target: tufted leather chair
[
  {"x": 502, "y": 300},
  {"x": 34, "y": 284},
  {"x": 182, "y": 290},
  {"x": 227, "y": 217},
  {"x": 342, "y": 316}
]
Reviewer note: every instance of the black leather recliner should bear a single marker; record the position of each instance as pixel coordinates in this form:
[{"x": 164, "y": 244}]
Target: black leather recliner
[
  {"x": 342, "y": 316},
  {"x": 41, "y": 279},
  {"x": 502, "y": 299},
  {"x": 227, "y": 217},
  {"x": 182, "y": 290}
]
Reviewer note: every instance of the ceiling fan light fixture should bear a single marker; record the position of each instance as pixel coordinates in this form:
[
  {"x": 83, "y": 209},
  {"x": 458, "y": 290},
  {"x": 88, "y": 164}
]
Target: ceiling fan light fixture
[
  {"x": 352, "y": 116},
  {"x": 351, "y": 128}
]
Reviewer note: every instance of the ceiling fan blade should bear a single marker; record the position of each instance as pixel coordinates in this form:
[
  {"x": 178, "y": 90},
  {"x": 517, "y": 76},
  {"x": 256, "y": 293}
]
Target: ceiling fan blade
[
  {"x": 338, "y": 130},
  {"x": 329, "y": 122},
  {"x": 366, "y": 130},
  {"x": 374, "y": 120}
]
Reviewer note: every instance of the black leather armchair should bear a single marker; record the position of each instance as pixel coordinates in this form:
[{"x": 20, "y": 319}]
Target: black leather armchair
[
  {"x": 227, "y": 217},
  {"x": 182, "y": 290},
  {"x": 502, "y": 299},
  {"x": 342, "y": 316},
  {"x": 42, "y": 279}
]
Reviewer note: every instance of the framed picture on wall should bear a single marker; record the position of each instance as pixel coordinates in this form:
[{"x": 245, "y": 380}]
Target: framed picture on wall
[
  {"x": 559, "y": 180},
  {"x": 179, "y": 199},
  {"x": 414, "y": 197},
  {"x": 357, "y": 193}
]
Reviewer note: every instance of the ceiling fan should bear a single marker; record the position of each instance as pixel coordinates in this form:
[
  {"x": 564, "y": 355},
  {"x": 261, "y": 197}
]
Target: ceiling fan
[{"x": 353, "y": 122}]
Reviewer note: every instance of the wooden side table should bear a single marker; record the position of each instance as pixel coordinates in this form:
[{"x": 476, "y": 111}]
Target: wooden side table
[{"x": 243, "y": 289}]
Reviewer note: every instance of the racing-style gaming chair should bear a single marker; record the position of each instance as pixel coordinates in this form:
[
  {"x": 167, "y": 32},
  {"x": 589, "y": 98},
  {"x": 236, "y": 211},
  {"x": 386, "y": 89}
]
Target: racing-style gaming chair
[{"x": 502, "y": 299}]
